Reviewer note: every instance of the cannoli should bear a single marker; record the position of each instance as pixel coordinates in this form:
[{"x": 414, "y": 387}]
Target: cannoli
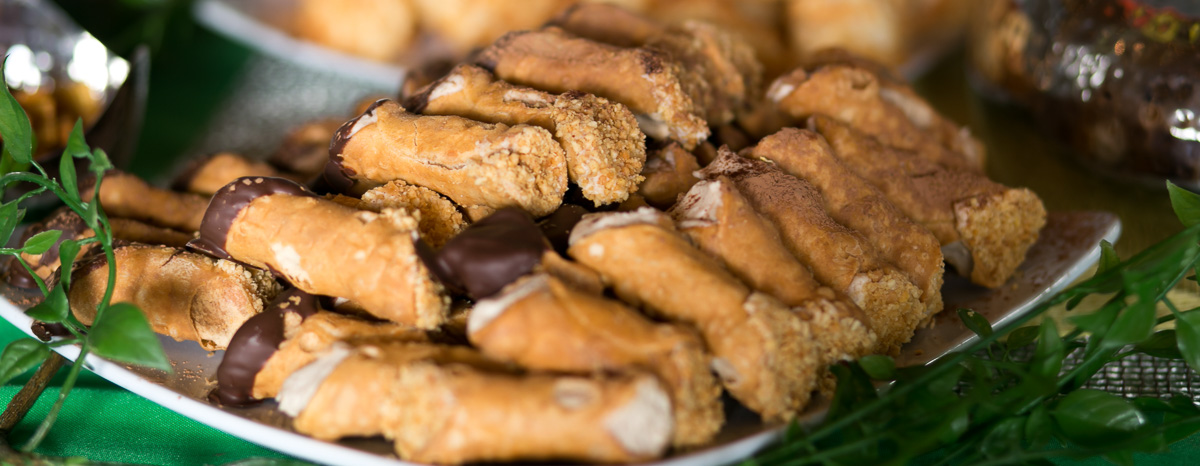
[
  {"x": 184, "y": 295},
  {"x": 558, "y": 225},
  {"x": 541, "y": 323},
  {"x": 838, "y": 257},
  {"x": 206, "y": 175},
  {"x": 498, "y": 250},
  {"x": 721, "y": 72},
  {"x": 604, "y": 149},
  {"x": 325, "y": 248},
  {"x": 449, "y": 405},
  {"x": 669, "y": 173},
  {"x": 74, "y": 228},
  {"x": 853, "y": 202},
  {"x": 646, "y": 81},
  {"x": 439, "y": 219},
  {"x": 985, "y": 228},
  {"x": 887, "y": 110},
  {"x": 716, "y": 217},
  {"x": 126, "y": 195},
  {"x": 305, "y": 150},
  {"x": 289, "y": 335},
  {"x": 474, "y": 164},
  {"x": 762, "y": 351},
  {"x": 378, "y": 30},
  {"x": 725, "y": 64},
  {"x": 470, "y": 24}
]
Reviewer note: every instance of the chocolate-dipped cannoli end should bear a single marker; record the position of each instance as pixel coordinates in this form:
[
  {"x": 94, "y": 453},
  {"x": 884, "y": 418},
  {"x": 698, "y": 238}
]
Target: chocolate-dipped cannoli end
[
  {"x": 254, "y": 343},
  {"x": 492, "y": 253},
  {"x": 229, "y": 201}
]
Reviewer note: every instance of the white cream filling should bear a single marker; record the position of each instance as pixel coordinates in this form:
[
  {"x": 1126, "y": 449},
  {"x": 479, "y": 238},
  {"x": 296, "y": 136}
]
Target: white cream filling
[
  {"x": 451, "y": 85},
  {"x": 300, "y": 387},
  {"x": 644, "y": 425},
  {"x": 917, "y": 112},
  {"x": 487, "y": 310},
  {"x": 653, "y": 126},
  {"x": 780, "y": 90},
  {"x": 957, "y": 255},
  {"x": 593, "y": 223},
  {"x": 699, "y": 206}
]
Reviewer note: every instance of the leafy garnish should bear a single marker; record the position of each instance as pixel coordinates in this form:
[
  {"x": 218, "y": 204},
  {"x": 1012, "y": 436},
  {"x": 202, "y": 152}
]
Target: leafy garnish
[
  {"x": 119, "y": 331},
  {"x": 1018, "y": 402}
]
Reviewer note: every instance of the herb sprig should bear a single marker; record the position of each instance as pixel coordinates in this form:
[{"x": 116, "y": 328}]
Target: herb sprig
[
  {"x": 120, "y": 331},
  {"x": 1007, "y": 398}
]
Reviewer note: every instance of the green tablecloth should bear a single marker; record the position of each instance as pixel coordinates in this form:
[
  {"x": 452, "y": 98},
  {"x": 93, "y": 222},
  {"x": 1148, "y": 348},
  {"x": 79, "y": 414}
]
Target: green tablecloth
[{"x": 106, "y": 423}]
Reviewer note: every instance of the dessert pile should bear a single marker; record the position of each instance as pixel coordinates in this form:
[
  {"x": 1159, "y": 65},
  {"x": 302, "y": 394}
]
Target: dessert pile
[{"x": 568, "y": 247}]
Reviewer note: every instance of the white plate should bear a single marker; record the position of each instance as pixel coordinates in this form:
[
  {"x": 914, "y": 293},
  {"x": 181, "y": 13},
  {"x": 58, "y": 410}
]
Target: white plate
[{"x": 1067, "y": 248}]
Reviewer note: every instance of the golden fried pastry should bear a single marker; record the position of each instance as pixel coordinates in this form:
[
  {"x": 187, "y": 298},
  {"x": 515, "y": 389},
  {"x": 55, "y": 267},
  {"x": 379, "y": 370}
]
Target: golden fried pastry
[
  {"x": 477, "y": 165},
  {"x": 469, "y": 24},
  {"x": 450, "y": 405},
  {"x": 763, "y": 352},
  {"x": 856, "y": 204},
  {"x": 715, "y": 216},
  {"x": 125, "y": 195},
  {"x": 838, "y": 257},
  {"x": 541, "y": 323},
  {"x": 375, "y": 29},
  {"x": 880, "y": 107},
  {"x": 208, "y": 174},
  {"x": 438, "y": 219},
  {"x": 985, "y": 228},
  {"x": 669, "y": 173},
  {"x": 74, "y": 228},
  {"x": 325, "y": 248},
  {"x": 604, "y": 149},
  {"x": 646, "y": 81},
  {"x": 185, "y": 295}
]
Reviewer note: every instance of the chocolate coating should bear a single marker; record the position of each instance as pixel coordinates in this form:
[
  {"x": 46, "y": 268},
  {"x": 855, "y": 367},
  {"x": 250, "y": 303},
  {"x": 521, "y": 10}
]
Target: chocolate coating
[
  {"x": 336, "y": 174},
  {"x": 491, "y": 253},
  {"x": 254, "y": 343},
  {"x": 558, "y": 225},
  {"x": 229, "y": 201}
]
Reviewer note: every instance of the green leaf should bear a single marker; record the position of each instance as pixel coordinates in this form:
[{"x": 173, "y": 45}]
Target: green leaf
[
  {"x": 100, "y": 162},
  {"x": 1135, "y": 323},
  {"x": 853, "y": 389},
  {"x": 67, "y": 252},
  {"x": 878, "y": 367},
  {"x": 1048, "y": 357},
  {"x": 1022, "y": 337},
  {"x": 1004, "y": 438},
  {"x": 954, "y": 424},
  {"x": 975, "y": 322},
  {"x": 15, "y": 128},
  {"x": 123, "y": 334},
  {"x": 1187, "y": 335},
  {"x": 1108, "y": 257},
  {"x": 1093, "y": 418},
  {"x": 1039, "y": 428},
  {"x": 10, "y": 216},
  {"x": 1161, "y": 344},
  {"x": 66, "y": 177},
  {"x": 54, "y": 308},
  {"x": 19, "y": 356},
  {"x": 1100, "y": 321},
  {"x": 91, "y": 212},
  {"x": 76, "y": 146},
  {"x": 1185, "y": 203},
  {"x": 41, "y": 242}
]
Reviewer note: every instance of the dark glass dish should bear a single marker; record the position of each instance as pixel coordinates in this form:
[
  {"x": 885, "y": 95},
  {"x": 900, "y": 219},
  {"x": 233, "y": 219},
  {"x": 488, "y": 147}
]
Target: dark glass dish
[{"x": 1118, "y": 80}]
